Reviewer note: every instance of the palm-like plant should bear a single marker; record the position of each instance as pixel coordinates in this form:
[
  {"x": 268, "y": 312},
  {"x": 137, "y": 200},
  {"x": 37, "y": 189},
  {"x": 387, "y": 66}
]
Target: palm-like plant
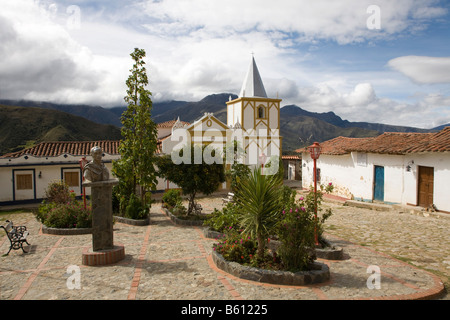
[{"x": 259, "y": 196}]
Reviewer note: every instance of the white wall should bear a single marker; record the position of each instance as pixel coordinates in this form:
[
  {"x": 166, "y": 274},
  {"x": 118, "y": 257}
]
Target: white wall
[
  {"x": 354, "y": 179},
  {"x": 46, "y": 170}
]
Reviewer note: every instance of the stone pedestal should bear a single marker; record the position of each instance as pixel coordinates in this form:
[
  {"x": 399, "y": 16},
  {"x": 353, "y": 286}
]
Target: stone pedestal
[{"x": 102, "y": 223}]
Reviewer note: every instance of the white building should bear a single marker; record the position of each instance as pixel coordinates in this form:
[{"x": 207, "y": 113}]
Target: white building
[
  {"x": 25, "y": 175},
  {"x": 402, "y": 168}
]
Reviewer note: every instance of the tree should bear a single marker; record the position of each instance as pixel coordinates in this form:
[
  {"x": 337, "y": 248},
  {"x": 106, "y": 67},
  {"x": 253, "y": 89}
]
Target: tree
[
  {"x": 192, "y": 177},
  {"x": 139, "y": 144},
  {"x": 259, "y": 197}
]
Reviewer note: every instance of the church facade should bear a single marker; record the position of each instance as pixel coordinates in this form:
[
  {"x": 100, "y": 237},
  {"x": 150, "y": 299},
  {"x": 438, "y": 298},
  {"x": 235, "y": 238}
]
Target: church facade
[{"x": 253, "y": 120}]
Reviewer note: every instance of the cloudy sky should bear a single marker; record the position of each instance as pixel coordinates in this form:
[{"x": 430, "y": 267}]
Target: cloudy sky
[{"x": 380, "y": 61}]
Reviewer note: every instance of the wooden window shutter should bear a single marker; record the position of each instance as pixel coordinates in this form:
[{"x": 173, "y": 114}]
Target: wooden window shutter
[
  {"x": 24, "y": 181},
  {"x": 72, "y": 179}
]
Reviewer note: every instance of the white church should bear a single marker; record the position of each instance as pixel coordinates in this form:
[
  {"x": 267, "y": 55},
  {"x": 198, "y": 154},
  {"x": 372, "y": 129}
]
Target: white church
[{"x": 253, "y": 119}]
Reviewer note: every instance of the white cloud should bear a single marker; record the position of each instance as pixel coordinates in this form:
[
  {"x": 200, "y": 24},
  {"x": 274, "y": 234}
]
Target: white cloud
[
  {"x": 422, "y": 69},
  {"x": 199, "y": 47},
  {"x": 341, "y": 21}
]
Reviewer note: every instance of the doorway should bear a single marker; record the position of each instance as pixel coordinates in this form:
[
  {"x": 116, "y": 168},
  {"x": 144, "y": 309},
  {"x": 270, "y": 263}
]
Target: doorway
[
  {"x": 378, "y": 187},
  {"x": 425, "y": 186}
]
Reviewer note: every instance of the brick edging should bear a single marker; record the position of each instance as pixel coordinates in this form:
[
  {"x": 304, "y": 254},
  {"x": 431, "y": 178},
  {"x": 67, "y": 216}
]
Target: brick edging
[
  {"x": 133, "y": 222},
  {"x": 104, "y": 257},
  {"x": 182, "y": 222},
  {"x": 320, "y": 275},
  {"x": 65, "y": 231}
]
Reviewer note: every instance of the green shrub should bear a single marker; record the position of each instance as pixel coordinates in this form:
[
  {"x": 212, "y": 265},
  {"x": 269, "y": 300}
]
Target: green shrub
[
  {"x": 179, "y": 209},
  {"x": 296, "y": 234},
  {"x": 242, "y": 248},
  {"x": 288, "y": 197},
  {"x": 135, "y": 209},
  {"x": 172, "y": 197},
  {"x": 224, "y": 220},
  {"x": 237, "y": 247},
  {"x": 67, "y": 215},
  {"x": 58, "y": 192},
  {"x": 298, "y": 228},
  {"x": 60, "y": 209}
]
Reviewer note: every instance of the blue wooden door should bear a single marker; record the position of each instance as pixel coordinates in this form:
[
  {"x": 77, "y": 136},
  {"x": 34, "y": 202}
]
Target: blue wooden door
[{"x": 378, "y": 189}]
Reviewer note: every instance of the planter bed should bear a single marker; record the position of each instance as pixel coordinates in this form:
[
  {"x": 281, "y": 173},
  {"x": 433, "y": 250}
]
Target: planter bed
[
  {"x": 182, "y": 222},
  {"x": 65, "y": 231},
  {"x": 319, "y": 273},
  {"x": 133, "y": 222},
  {"x": 330, "y": 252},
  {"x": 212, "y": 234}
]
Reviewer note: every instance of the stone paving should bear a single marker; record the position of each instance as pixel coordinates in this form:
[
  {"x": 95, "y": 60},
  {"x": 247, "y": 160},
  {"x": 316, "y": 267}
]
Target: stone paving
[{"x": 165, "y": 261}]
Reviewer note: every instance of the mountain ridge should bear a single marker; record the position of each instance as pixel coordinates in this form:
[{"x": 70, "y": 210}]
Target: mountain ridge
[{"x": 298, "y": 126}]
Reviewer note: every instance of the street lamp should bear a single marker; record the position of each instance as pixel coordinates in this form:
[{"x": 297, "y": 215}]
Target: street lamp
[
  {"x": 314, "y": 151},
  {"x": 83, "y": 161}
]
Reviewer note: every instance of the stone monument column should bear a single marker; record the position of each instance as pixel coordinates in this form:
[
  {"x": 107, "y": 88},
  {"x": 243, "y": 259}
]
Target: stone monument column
[
  {"x": 97, "y": 178},
  {"x": 102, "y": 216}
]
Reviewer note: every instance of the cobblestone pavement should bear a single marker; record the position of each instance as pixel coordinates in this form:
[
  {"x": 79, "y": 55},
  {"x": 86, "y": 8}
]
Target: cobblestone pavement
[{"x": 165, "y": 261}]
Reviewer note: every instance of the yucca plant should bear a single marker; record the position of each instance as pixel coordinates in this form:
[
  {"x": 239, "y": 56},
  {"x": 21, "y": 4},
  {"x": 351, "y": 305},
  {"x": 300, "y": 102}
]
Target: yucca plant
[{"x": 259, "y": 197}]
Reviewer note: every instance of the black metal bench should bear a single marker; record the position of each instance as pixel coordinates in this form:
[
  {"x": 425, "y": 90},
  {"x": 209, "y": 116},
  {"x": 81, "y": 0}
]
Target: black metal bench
[{"x": 17, "y": 235}]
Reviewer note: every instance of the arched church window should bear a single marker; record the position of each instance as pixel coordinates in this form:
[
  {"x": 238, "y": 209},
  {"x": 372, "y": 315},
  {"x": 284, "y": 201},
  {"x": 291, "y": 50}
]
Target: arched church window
[{"x": 261, "y": 112}]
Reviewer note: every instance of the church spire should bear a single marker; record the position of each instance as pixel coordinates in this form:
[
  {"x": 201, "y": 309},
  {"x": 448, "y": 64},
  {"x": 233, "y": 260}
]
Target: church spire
[{"x": 253, "y": 85}]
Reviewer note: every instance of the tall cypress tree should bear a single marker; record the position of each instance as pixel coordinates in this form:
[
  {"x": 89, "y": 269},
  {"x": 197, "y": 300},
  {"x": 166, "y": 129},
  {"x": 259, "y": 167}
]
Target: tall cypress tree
[{"x": 136, "y": 169}]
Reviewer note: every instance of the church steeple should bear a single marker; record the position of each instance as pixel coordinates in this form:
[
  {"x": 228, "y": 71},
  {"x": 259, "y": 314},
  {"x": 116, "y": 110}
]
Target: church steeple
[
  {"x": 253, "y": 85},
  {"x": 256, "y": 117}
]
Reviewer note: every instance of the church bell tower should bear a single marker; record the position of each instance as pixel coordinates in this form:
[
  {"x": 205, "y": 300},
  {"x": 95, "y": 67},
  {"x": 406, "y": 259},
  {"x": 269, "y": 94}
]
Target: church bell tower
[{"x": 258, "y": 116}]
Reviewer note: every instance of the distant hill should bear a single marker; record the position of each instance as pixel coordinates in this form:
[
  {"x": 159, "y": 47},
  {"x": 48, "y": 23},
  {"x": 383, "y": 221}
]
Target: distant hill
[
  {"x": 331, "y": 118},
  {"x": 299, "y": 127},
  {"x": 439, "y": 128},
  {"x": 93, "y": 113},
  {"x": 191, "y": 111},
  {"x": 22, "y": 127}
]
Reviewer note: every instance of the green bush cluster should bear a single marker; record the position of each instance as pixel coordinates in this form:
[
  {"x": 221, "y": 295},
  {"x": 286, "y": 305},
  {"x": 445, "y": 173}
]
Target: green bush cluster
[
  {"x": 171, "y": 198},
  {"x": 295, "y": 228},
  {"x": 61, "y": 209},
  {"x": 128, "y": 205},
  {"x": 237, "y": 247},
  {"x": 225, "y": 220},
  {"x": 134, "y": 208}
]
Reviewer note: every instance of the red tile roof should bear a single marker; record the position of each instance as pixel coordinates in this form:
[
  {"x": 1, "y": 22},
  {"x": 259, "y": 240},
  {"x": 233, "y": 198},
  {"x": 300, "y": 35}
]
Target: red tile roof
[
  {"x": 290, "y": 157},
  {"x": 75, "y": 148},
  {"x": 170, "y": 124},
  {"x": 389, "y": 143}
]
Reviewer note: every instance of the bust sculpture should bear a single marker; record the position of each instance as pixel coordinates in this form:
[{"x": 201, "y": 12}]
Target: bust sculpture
[{"x": 95, "y": 170}]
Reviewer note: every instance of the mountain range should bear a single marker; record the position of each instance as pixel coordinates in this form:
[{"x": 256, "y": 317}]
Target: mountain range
[{"x": 21, "y": 127}]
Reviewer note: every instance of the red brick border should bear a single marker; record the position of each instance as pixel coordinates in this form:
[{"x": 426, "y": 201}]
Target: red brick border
[{"x": 104, "y": 257}]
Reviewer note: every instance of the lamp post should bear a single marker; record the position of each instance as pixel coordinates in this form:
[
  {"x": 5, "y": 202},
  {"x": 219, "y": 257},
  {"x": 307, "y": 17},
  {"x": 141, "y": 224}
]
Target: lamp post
[
  {"x": 314, "y": 151},
  {"x": 83, "y": 162}
]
